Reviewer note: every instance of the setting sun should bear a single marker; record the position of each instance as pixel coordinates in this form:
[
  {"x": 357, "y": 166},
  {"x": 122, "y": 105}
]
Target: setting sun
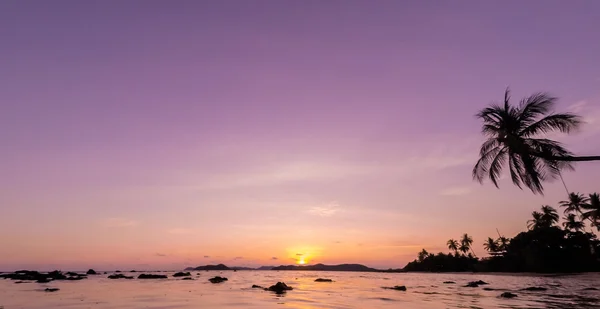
[{"x": 301, "y": 261}]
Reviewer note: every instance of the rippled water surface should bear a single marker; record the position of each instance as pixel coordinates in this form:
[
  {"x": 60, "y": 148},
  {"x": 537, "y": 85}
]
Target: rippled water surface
[{"x": 349, "y": 290}]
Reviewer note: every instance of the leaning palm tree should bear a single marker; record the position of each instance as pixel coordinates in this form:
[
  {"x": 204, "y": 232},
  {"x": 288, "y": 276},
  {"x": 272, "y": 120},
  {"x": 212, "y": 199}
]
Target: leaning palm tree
[
  {"x": 491, "y": 245},
  {"x": 537, "y": 221},
  {"x": 503, "y": 243},
  {"x": 453, "y": 245},
  {"x": 592, "y": 208},
  {"x": 572, "y": 224},
  {"x": 514, "y": 141},
  {"x": 549, "y": 216},
  {"x": 463, "y": 248},
  {"x": 466, "y": 242}
]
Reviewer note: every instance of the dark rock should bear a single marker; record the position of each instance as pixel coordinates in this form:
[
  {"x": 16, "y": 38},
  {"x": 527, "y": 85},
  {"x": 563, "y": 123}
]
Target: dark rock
[
  {"x": 508, "y": 295},
  {"x": 117, "y": 271},
  {"x": 534, "y": 289},
  {"x": 323, "y": 280},
  {"x": 51, "y": 289},
  {"x": 396, "y": 288},
  {"x": 217, "y": 279},
  {"x": 279, "y": 288},
  {"x": 449, "y": 282},
  {"x": 17, "y": 282},
  {"x": 132, "y": 271},
  {"x": 72, "y": 274},
  {"x": 151, "y": 276},
  {"x": 479, "y": 282},
  {"x": 91, "y": 272},
  {"x": 254, "y": 286},
  {"x": 198, "y": 274},
  {"x": 590, "y": 289},
  {"x": 472, "y": 285},
  {"x": 488, "y": 289},
  {"x": 119, "y": 276},
  {"x": 43, "y": 280},
  {"x": 188, "y": 278},
  {"x": 182, "y": 274},
  {"x": 105, "y": 273},
  {"x": 75, "y": 278}
]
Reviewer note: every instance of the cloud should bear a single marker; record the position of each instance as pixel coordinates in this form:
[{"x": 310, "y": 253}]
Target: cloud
[
  {"x": 299, "y": 254},
  {"x": 274, "y": 258},
  {"x": 180, "y": 231},
  {"x": 325, "y": 211},
  {"x": 337, "y": 242},
  {"x": 207, "y": 256},
  {"x": 238, "y": 258},
  {"x": 120, "y": 222},
  {"x": 456, "y": 191},
  {"x": 160, "y": 254}
]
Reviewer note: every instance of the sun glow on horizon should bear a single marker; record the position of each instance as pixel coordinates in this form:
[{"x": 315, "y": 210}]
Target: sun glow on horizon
[{"x": 301, "y": 261}]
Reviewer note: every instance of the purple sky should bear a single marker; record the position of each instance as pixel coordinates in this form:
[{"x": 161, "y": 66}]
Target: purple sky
[{"x": 168, "y": 133}]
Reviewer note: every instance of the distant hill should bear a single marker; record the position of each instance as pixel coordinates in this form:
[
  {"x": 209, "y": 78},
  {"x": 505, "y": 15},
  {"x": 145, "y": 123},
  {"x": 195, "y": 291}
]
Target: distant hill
[
  {"x": 265, "y": 268},
  {"x": 322, "y": 267},
  {"x": 210, "y": 267},
  {"x": 242, "y": 268}
]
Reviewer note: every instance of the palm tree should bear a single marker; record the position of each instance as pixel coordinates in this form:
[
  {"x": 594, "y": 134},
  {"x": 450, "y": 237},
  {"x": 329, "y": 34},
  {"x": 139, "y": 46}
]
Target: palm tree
[
  {"x": 513, "y": 140},
  {"x": 463, "y": 248},
  {"x": 466, "y": 243},
  {"x": 491, "y": 245},
  {"x": 537, "y": 221},
  {"x": 574, "y": 204},
  {"x": 549, "y": 215},
  {"x": 571, "y": 223},
  {"x": 453, "y": 245},
  {"x": 593, "y": 210},
  {"x": 422, "y": 255},
  {"x": 502, "y": 243}
]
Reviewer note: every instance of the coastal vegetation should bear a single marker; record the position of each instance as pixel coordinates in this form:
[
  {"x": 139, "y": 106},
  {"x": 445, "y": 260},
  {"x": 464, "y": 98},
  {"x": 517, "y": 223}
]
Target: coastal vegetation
[{"x": 547, "y": 246}]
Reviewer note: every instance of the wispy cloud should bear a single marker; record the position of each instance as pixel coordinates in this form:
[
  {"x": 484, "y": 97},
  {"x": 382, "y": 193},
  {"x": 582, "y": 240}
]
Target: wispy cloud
[
  {"x": 120, "y": 222},
  {"x": 274, "y": 258},
  {"x": 160, "y": 254},
  {"x": 207, "y": 256},
  {"x": 238, "y": 258},
  {"x": 325, "y": 210}
]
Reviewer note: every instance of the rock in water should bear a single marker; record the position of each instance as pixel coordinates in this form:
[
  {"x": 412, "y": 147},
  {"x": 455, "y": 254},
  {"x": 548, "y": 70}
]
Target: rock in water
[
  {"x": 396, "y": 288},
  {"x": 279, "y": 288},
  {"x": 119, "y": 276},
  {"x": 323, "y": 280},
  {"x": 508, "y": 295},
  {"x": 217, "y": 279},
  {"x": 479, "y": 282},
  {"x": 534, "y": 288},
  {"x": 254, "y": 286},
  {"x": 449, "y": 282},
  {"x": 51, "y": 289},
  {"x": 91, "y": 272},
  {"x": 472, "y": 285},
  {"x": 181, "y": 274},
  {"x": 151, "y": 276},
  {"x": 188, "y": 278}
]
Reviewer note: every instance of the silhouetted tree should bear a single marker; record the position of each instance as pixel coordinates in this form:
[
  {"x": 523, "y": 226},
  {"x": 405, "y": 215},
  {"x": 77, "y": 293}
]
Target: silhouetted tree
[
  {"x": 592, "y": 210},
  {"x": 574, "y": 204},
  {"x": 453, "y": 245},
  {"x": 491, "y": 245},
  {"x": 422, "y": 255},
  {"x": 537, "y": 221},
  {"x": 572, "y": 224},
  {"x": 513, "y": 141},
  {"x": 549, "y": 215},
  {"x": 465, "y": 243}
]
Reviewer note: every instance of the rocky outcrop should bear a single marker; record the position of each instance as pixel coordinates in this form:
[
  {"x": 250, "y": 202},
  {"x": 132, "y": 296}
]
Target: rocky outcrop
[
  {"x": 217, "y": 279},
  {"x": 449, "y": 282},
  {"x": 91, "y": 272},
  {"x": 396, "y": 288},
  {"x": 254, "y": 286},
  {"x": 187, "y": 278},
  {"x": 323, "y": 280},
  {"x": 182, "y": 274},
  {"x": 119, "y": 276},
  {"x": 508, "y": 295},
  {"x": 279, "y": 288},
  {"x": 51, "y": 289}
]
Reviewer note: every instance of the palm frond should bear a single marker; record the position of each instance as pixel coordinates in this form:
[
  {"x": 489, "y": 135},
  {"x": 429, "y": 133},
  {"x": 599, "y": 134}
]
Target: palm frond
[{"x": 564, "y": 123}]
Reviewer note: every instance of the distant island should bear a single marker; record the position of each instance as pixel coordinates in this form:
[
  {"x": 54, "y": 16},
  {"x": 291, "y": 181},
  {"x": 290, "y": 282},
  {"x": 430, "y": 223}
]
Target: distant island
[{"x": 316, "y": 267}]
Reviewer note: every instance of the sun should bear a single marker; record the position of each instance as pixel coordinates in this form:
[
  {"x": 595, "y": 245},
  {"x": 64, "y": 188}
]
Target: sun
[{"x": 301, "y": 261}]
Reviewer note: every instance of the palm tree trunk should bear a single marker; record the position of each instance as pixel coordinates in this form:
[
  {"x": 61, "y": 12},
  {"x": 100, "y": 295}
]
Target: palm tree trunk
[{"x": 572, "y": 159}]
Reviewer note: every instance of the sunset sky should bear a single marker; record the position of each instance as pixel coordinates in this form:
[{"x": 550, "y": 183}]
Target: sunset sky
[{"x": 165, "y": 134}]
